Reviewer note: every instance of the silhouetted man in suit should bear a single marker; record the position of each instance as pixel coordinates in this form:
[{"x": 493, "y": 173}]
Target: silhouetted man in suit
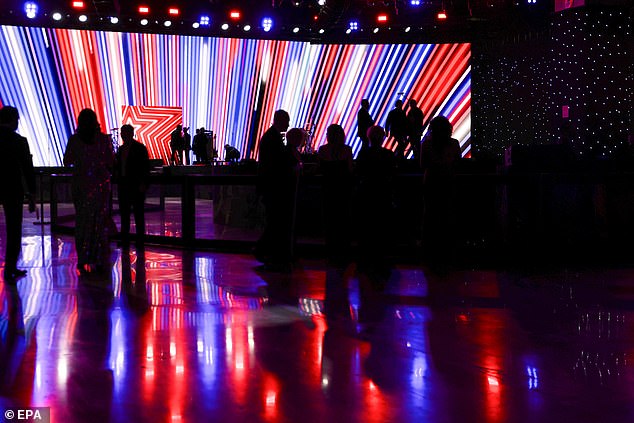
[
  {"x": 16, "y": 174},
  {"x": 364, "y": 122},
  {"x": 276, "y": 186},
  {"x": 396, "y": 126},
  {"x": 133, "y": 170},
  {"x": 415, "y": 118}
]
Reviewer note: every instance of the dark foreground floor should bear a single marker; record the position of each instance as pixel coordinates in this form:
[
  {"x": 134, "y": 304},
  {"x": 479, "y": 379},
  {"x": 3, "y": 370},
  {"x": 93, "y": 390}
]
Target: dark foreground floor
[{"x": 186, "y": 336}]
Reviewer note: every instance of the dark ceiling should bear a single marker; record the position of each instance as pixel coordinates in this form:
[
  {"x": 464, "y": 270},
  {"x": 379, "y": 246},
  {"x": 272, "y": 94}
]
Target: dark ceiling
[{"x": 327, "y": 22}]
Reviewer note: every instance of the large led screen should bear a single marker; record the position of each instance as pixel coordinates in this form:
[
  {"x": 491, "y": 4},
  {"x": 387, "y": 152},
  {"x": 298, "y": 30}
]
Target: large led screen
[{"x": 229, "y": 86}]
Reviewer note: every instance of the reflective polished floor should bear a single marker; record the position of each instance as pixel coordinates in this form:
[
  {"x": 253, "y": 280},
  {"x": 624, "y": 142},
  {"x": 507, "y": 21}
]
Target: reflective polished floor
[{"x": 189, "y": 336}]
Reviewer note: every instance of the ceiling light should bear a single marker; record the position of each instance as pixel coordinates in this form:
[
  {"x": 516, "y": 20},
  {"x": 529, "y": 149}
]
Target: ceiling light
[
  {"x": 144, "y": 10},
  {"x": 83, "y": 18},
  {"x": 267, "y": 24},
  {"x": 235, "y": 15},
  {"x": 353, "y": 25},
  {"x": 57, "y": 16},
  {"x": 321, "y": 30},
  {"x": 167, "y": 23},
  {"x": 78, "y": 4},
  {"x": 375, "y": 30},
  {"x": 144, "y": 22},
  {"x": 296, "y": 29},
  {"x": 382, "y": 18},
  {"x": 408, "y": 29},
  {"x": 114, "y": 20},
  {"x": 173, "y": 11},
  {"x": 442, "y": 15},
  {"x": 195, "y": 25},
  {"x": 30, "y": 9},
  {"x": 204, "y": 20},
  {"x": 225, "y": 26},
  {"x": 247, "y": 28}
]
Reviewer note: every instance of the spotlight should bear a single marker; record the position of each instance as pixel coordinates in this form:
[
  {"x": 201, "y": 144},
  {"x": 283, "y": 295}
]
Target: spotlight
[
  {"x": 57, "y": 16},
  {"x": 247, "y": 28},
  {"x": 31, "y": 9},
  {"x": 348, "y": 31},
  {"x": 204, "y": 20},
  {"x": 167, "y": 24},
  {"x": 225, "y": 26},
  {"x": 321, "y": 30},
  {"x": 144, "y": 22},
  {"x": 296, "y": 30},
  {"x": 353, "y": 25},
  {"x": 173, "y": 11},
  {"x": 321, "y": 2},
  {"x": 267, "y": 24},
  {"x": 415, "y": 2},
  {"x": 375, "y": 30},
  {"x": 195, "y": 25},
  {"x": 114, "y": 20},
  {"x": 442, "y": 15},
  {"x": 382, "y": 18},
  {"x": 83, "y": 18},
  {"x": 144, "y": 10},
  {"x": 77, "y": 4},
  {"x": 408, "y": 29},
  {"x": 235, "y": 15}
]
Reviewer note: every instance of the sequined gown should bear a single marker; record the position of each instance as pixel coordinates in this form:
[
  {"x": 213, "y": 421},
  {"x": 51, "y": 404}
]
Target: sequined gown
[{"x": 92, "y": 169}]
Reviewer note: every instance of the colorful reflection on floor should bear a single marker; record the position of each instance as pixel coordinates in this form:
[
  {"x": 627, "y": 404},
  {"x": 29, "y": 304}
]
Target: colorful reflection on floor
[{"x": 183, "y": 336}]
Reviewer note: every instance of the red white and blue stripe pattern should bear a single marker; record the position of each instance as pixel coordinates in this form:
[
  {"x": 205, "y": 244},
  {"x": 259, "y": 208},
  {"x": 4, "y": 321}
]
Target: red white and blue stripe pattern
[{"x": 229, "y": 86}]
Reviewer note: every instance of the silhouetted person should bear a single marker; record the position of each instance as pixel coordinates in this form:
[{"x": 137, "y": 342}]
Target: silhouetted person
[
  {"x": 415, "y": 118},
  {"x": 89, "y": 152},
  {"x": 187, "y": 145},
  {"x": 335, "y": 163},
  {"x": 438, "y": 156},
  {"x": 396, "y": 127},
  {"x": 376, "y": 168},
  {"x": 17, "y": 177},
  {"x": 276, "y": 186},
  {"x": 364, "y": 122},
  {"x": 200, "y": 146},
  {"x": 177, "y": 144},
  {"x": 232, "y": 154},
  {"x": 133, "y": 171}
]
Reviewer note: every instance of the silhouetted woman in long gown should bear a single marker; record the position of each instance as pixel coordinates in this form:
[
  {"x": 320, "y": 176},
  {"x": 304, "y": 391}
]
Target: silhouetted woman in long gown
[{"x": 90, "y": 153}]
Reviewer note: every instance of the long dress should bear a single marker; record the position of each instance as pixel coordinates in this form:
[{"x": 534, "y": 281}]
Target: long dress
[{"x": 92, "y": 169}]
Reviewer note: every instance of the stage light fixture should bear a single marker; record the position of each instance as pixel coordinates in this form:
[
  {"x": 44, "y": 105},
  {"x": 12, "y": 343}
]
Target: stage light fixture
[
  {"x": 321, "y": 30},
  {"x": 321, "y": 2},
  {"x": 144, "y": 22},
  {"x": 78, "y": 4},
  {"x": 296, "y": 30},
  {"x": 235, "y": 15},
  {"x": 225, "y": 26},
  {"x": 57, "y": 16},
  {"x": 144, "y": 10},
  {"x": 348, "y": 31},
  {"x": 267, "y": 24},
  {"x": 408, "y": 29},
  {"x": 83, "y": 18},
  {"x": 114, "y": 20},
  {"x": 204, "y": 20},
  {"x": 382, "y": 18},
  {"x": 247, "y": 28},
  {"x": 167, "y": 23},
  {"x": 173, "y": 11},
  {"x": 415, "y": 2},
  {"x": 353, "y": 25},
  {"x": 31, "y": 9},
  {"x": 195, "y": 25},
  {"x": 442, "y": 16},
  {"x": 375, "y": 30}
]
